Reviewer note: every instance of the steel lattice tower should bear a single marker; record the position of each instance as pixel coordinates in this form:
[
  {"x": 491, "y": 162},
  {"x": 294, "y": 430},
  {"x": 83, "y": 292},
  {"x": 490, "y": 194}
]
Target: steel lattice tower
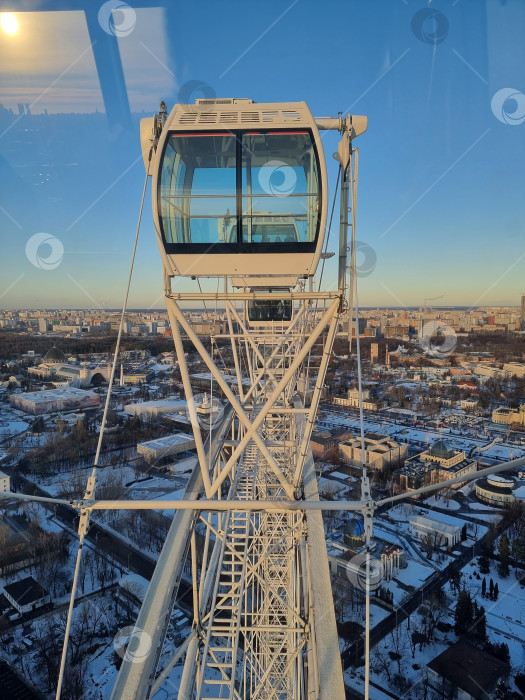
[{"x": 263, "y": 618}]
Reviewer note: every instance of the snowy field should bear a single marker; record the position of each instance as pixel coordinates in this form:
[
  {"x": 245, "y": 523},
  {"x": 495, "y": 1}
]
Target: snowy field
[
  {"x": 440, "y": 502},
  {"x": 11, "y": 425}
]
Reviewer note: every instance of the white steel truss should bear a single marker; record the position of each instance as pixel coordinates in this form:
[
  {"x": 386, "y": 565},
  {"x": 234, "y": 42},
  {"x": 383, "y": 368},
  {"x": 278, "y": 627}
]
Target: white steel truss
[
  {"x": 258, "y": 613},
  {"x": 255, "y": 614}
]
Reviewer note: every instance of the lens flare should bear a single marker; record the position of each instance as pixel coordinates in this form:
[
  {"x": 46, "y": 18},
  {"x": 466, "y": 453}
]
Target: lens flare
[{"x": 8, "y": 22}]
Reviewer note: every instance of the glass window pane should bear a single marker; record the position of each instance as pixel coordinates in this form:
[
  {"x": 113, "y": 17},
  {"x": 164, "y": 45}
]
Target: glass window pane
[
  {"x": 269, "y": 310},
  {"x": 197, "y": 198},
  {"x": 280, "y": 187}
]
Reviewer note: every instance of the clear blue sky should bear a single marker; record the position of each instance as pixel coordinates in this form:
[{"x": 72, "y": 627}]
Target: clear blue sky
[{"x": 441, "y": 178}]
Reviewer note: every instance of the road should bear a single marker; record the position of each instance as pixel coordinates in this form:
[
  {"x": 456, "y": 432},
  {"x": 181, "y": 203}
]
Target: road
[
  {"x": 120, "y": 550},
  {"x": 434, "y": 583}
]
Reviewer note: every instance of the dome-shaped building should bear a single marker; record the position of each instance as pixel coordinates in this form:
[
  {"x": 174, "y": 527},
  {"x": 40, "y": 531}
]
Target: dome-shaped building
[
  {"x": 354, "y": 531},
  {"x": 54, "y": 356},
  {"x": 441, "y": 450}
]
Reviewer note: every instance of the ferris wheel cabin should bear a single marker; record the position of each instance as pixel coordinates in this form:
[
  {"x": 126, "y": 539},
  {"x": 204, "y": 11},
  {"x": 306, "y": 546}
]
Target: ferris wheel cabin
[{"x": 239, "y": 189}]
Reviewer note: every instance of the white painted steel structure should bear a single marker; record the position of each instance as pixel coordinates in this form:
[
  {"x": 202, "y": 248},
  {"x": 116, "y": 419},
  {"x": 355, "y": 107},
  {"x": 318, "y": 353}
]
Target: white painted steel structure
[{"x": 264, "y": 623}]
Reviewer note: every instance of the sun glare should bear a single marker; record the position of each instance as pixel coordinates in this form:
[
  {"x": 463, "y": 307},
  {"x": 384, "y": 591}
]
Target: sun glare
[{"x": 8, "y": 22}]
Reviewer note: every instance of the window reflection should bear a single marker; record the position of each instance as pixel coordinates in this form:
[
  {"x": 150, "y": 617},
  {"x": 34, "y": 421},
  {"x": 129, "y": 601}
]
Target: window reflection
[{"x": 278, "y": 201}]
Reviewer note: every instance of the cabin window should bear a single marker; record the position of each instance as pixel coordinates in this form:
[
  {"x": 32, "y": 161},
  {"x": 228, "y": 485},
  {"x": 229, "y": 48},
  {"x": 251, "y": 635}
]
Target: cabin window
[
  {"x": 270, "y": 309},
  {"x": 280, "y": 187},
  {"x": 240, "y": 188},
  {"x": 198, "y": 193}
]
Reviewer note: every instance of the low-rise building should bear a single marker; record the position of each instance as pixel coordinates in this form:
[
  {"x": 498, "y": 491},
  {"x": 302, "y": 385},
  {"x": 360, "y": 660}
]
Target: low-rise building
[
  {"x": 447, "y": 463},
  {"x": 514, "y": 369},
  {"x": 5, "y": 482},
  {"x": 345, "y": 563},
  {"x": 509, "y": 416},
  {"x": 414, "y": 474},
  {"x": 442, "y": 534},
  {"x": 352, "y": 401},
  {"x": 155, "y": 450},
  {"x": 55, "y": 400},
  {"x": 130, "y": 592},
  {"x": 157, "y": 407},
  {"x": 137, "y": 378},
  {"x": 495, "y": 490},
  {"x": 380, "y": 451},
  {"x": 322, "y": 441},
  {"x": 26, "y": 595},
  {"x": 464, "y": 672}
]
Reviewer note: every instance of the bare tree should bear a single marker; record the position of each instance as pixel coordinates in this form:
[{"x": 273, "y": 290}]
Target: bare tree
[
  {"x": 398, "y": 646},
  {"x": 433, "y": 612},
  {"x": 382, "y": 661},
  {"x": 429, "y": 545},
  {"x": 47, "y": 652}
]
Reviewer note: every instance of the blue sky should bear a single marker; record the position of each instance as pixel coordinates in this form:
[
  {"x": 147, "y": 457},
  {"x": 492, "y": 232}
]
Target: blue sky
[{"x": 440, "y": 197}]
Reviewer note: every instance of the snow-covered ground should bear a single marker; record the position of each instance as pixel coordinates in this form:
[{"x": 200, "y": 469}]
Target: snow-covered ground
[
  {"x": 411, "y": 670},
  {"x": 440, "y": 502},
  {"x": 505, "y": 623},
  {"x": 10, "y": 425},
  {"x": 415, "y": 574},
  {"x": 506, "y": 615}
]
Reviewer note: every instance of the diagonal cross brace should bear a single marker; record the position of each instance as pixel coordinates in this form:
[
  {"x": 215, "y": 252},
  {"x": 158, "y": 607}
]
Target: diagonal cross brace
[{"x": 251, "y": 428}]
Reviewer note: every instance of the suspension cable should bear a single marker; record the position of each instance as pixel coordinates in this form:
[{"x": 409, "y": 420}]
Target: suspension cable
[
  {"x": 329, "y": 226},
  {"x": 89, "y": 494},
  {"x": 305, "y": 322},
  {"x": 365, "y": 490}
]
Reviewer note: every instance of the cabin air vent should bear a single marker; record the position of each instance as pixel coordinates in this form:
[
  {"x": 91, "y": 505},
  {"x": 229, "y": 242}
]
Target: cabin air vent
[
  {"x": 223, "y": 101},
  {"x": 208, "y": 118},
  {"x": 293, "y": 116},
  {"x": 228, "y": 117},
  {"x": 250, "y": 117},
  {"x": 269, "y": 116},
  {"x": 188, "y": 118}
]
